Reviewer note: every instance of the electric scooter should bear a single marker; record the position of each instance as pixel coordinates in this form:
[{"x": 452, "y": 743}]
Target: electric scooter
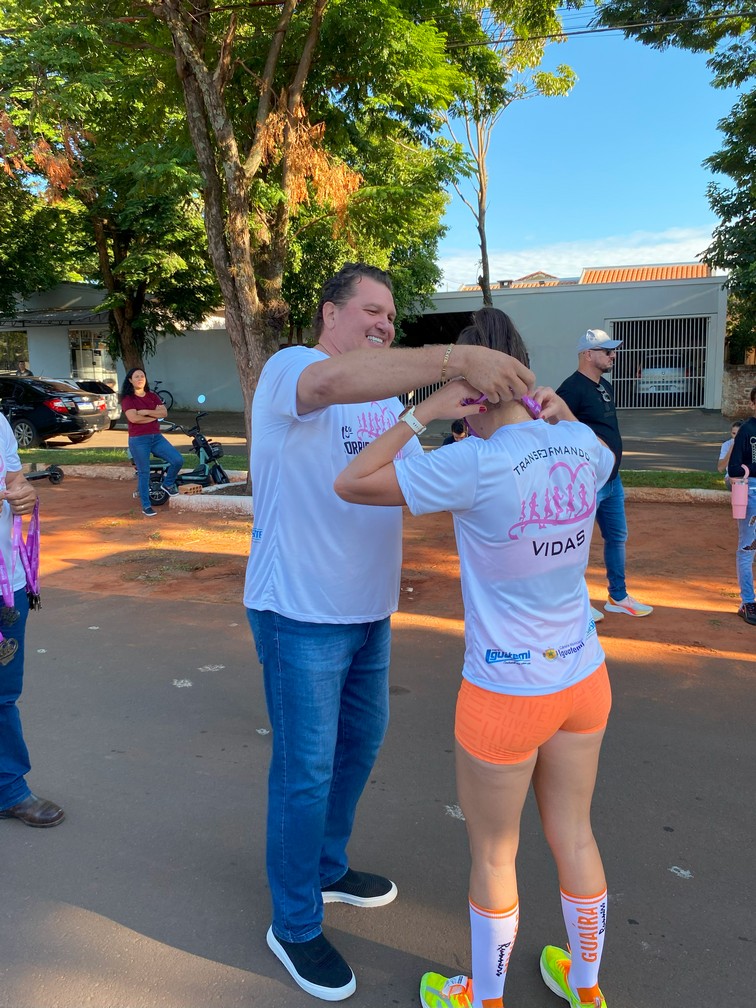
[
  {"x": 53, "y": 473},
  {"x": 208, "y": 472}
]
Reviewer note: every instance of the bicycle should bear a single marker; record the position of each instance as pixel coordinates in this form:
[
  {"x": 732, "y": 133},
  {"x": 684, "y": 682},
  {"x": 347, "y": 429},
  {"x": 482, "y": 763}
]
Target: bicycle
[{"x": 164, "y": 395}]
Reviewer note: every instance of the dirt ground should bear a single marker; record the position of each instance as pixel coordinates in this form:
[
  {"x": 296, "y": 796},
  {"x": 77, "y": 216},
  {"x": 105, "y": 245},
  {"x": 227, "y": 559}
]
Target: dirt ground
[{"x": 680, "y": 560}]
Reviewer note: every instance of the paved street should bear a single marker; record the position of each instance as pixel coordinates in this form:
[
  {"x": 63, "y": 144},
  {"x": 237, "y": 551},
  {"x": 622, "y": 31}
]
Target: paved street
[{"x": 148, "y": 724}]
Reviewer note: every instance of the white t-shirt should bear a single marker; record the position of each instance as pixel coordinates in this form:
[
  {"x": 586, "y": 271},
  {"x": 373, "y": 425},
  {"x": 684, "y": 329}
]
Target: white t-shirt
[
  {"x": 524, "y": 503},
  {"x": 9, "y": 462},
  {"x": 314, "y": 557},
  {"x": 726, "y": 445}
]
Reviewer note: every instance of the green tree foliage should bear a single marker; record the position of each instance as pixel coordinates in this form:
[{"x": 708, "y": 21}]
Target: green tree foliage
[
  {"x": 730, "y": 40},
  {"x": 87, "y": 119},
  {"x": 35, "y": 239}
]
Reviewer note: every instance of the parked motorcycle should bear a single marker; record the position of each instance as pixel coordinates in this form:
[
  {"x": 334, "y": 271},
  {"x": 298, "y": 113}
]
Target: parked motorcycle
[{"x": 207, "y": 472}]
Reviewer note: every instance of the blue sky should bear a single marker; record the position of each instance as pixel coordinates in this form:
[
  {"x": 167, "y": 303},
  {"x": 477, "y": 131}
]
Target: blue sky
[{"x": 609, "y": 176}]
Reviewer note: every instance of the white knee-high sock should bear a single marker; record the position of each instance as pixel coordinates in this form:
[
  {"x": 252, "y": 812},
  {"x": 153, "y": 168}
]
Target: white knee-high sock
[
  {"x": 585, "y": 920},
  {"x": 493, "y": 934}
]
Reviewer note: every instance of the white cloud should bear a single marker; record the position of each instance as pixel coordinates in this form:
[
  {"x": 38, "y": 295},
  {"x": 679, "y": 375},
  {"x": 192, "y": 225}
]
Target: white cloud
[{"x": 568, "y": 259}]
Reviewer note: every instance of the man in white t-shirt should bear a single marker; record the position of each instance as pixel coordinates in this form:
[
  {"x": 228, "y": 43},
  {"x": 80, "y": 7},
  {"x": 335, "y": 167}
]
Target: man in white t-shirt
[{"x": 322, "y": 582}]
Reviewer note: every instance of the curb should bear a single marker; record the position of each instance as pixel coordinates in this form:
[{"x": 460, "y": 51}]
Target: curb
[{"x": 670, "y": 495}]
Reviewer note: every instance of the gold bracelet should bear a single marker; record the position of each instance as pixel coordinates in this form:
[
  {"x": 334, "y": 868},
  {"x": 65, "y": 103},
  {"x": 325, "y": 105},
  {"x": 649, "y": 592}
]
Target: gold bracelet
[{"x": 447, "y": 355}]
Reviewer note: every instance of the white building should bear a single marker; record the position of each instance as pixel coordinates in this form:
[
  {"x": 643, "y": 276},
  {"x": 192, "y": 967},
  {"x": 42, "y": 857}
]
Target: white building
[{"x": 674, "y": 313}]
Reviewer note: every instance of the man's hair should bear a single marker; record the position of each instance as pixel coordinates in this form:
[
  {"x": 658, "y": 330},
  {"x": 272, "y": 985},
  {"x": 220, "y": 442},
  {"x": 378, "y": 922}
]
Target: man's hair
[
  {"x": 458, "y": 427},
  {"x": 494, "y": 329},
  {"x": 340, "y": 288}
]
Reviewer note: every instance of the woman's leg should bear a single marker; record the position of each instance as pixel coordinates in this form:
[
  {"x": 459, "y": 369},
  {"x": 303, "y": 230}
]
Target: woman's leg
[
  {"x": 140, "y": 453},
  {"x": 564, "y": 779},
  {"x": 491, "y": 796},
  {"x": 164, "y": 450}
]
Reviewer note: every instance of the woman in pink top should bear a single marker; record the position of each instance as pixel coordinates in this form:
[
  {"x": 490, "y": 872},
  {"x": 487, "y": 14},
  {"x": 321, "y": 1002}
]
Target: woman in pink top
[{"x": 144, "y": 410}]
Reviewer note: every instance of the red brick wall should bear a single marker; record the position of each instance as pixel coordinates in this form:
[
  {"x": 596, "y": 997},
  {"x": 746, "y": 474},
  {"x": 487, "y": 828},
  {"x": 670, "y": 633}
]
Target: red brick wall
[{"x": 737, "y": 382}]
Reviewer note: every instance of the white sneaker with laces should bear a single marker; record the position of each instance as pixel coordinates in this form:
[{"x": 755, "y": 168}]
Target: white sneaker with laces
[
  {"x": 596, "y": 615},
  {"x": 629, "y": 606}
]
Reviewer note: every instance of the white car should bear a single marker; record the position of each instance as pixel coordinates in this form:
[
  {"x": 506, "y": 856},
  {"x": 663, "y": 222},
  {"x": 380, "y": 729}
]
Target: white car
[
  {"x": 662, "y": 376},
  {"x": 108, "y": 393}
]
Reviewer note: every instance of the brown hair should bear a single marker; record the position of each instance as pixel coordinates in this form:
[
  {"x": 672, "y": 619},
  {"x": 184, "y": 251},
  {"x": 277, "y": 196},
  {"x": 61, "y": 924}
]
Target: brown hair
[
  {"x": 340, "y": 288},
  {"x": 493, "y": 328}
]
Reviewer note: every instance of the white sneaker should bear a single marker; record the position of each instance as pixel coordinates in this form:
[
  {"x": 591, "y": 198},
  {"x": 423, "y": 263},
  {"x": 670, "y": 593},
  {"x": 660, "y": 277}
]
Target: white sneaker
[
  {"x": 629, "y": 606},
  {"x": 596, "y": 615}
]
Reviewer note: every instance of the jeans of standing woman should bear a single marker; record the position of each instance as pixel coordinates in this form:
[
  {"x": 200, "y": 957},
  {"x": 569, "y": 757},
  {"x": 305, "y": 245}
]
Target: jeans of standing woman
[
  {"x": 14, "y": 756},
  {"x": 326, "y": 687},
  {"x": 747, "y": 546},
  {"x": 153, "y": 444},
  {"x": 610, "y": 515}
]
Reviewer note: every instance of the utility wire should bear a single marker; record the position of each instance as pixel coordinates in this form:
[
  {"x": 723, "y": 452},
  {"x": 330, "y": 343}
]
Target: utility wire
[{"x": 569, "y": 33}]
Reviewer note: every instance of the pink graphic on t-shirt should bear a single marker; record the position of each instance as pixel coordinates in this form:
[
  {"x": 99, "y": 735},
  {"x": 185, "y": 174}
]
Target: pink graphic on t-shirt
[
  {"x": 564, "y": 484},
  {"x": 371, "y": 425}
]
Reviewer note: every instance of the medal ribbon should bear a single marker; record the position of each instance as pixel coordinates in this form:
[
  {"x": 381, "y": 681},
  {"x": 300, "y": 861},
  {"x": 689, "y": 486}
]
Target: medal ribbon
[{"x": 28, "y": 551}]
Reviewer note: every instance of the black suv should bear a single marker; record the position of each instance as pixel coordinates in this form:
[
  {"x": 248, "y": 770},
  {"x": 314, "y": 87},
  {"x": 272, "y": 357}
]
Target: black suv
[{"x": 42, "y": 408}]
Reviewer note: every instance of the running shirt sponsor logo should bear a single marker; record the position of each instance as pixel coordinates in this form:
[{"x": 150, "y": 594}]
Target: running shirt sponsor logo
[
  {"x": 256, "y": 534},
  {"x": 551, "y": 654},
  {"x": 494, "y": 656}
]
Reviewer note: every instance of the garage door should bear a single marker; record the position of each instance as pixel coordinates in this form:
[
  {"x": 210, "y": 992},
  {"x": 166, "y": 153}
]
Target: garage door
[{"x": 662, "y": 362}]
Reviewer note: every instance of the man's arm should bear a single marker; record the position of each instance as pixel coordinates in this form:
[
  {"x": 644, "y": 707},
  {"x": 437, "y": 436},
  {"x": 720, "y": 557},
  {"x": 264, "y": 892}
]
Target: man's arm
[{"x": 363, "y": 375}]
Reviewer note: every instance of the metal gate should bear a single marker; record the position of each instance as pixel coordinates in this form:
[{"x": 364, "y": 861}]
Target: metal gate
[{"x": 662, "y": 362}]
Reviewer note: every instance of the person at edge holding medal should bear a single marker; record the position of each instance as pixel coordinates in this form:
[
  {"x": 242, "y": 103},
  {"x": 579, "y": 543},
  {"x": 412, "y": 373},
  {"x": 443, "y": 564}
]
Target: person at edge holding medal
[
  {"x": 535, "y": 694},
  {"x": 18, "y": 498}
]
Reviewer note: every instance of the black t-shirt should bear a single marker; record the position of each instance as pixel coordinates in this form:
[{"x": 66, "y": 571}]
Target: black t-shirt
[
  {"x": 743, "y": 451},
  {"x": 593, "y": 404}
]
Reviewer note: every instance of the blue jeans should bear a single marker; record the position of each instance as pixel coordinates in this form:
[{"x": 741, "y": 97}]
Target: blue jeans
[
  {"x": 326, "y": 687},
  {"x": 747, "y": 546},
  {"x": 14, "y": 756},
  {"x": 610, "y": 515},
  {"x": 153, "y": 444}
]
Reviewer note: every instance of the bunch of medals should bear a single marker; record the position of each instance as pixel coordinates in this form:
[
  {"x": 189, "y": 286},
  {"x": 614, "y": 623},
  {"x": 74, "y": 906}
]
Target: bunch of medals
[{"x": 27, "y": 551}]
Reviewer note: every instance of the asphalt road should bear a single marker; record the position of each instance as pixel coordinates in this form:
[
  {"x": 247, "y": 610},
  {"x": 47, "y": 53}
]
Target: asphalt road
[{"x": 148, "y": 724}]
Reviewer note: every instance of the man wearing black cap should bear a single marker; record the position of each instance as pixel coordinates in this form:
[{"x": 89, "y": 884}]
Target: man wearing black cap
[{"x": 591, "y": 398}]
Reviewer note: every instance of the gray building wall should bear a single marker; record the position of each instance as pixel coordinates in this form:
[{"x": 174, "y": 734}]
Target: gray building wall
[{"x": 551, "y": 319}]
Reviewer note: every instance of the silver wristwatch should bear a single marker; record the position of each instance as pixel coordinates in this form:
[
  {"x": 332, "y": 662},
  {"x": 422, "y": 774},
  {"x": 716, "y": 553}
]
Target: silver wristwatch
[{"x": 411, "y": 420}]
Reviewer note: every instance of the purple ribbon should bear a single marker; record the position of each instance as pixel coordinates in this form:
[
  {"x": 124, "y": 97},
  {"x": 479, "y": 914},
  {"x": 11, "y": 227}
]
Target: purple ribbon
[{"x": 28, "y": 551}]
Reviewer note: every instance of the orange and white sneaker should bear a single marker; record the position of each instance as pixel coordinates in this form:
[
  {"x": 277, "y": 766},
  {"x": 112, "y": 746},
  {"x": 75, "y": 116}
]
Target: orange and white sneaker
[
  {"x": 629, "y": 606},
  {"x": 437, "y": 991},
  {"x": 555, "y": 966}
]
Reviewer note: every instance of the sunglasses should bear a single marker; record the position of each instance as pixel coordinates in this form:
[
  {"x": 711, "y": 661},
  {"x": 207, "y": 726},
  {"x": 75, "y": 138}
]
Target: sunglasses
[{"x": 603, "y": 393}]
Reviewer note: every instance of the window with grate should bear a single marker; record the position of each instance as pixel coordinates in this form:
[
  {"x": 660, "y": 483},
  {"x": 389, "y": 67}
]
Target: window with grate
[{"x": 662, "y": 362}]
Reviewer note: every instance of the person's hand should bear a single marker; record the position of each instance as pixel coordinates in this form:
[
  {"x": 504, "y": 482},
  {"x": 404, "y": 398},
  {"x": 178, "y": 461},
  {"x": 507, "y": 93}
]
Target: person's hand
[
  {"x": 453, "y": 401},
  {"x": 496, "y": 374},
  {"x": 21, "y": 497},
  {"x": 553, "y": 407}
]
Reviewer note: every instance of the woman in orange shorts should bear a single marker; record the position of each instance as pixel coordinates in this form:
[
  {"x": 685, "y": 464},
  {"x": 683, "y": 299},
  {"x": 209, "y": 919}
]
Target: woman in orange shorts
[{"x": 535, "y": 695}]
